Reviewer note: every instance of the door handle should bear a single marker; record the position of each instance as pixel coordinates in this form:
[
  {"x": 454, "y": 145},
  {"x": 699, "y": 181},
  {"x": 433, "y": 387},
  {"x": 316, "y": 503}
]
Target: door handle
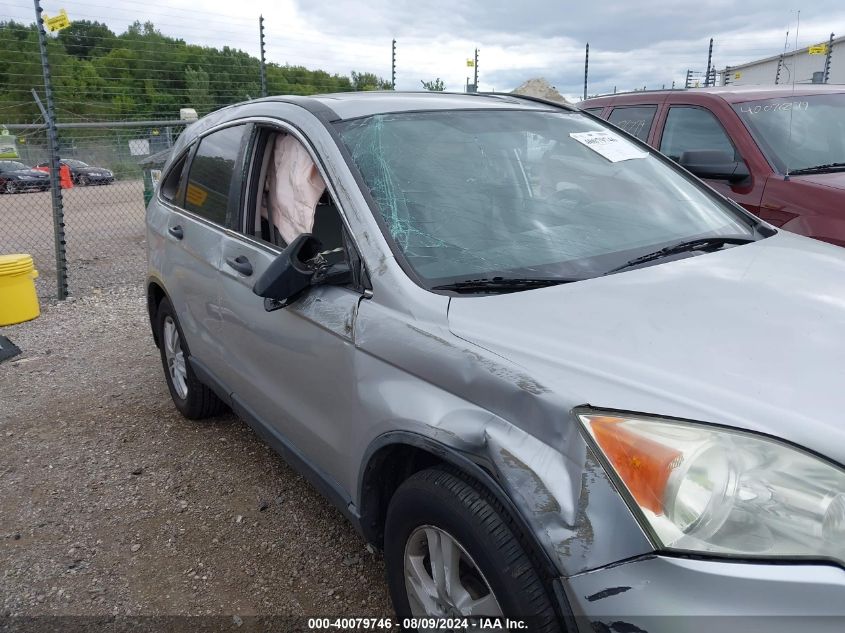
[
  {"x": 176, "y": 231},
  {"x": 241, "y": 264}
]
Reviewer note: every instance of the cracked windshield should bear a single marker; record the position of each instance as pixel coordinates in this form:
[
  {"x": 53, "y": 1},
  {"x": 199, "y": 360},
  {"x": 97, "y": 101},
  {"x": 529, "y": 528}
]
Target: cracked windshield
[{"x": 478, "y": 194}]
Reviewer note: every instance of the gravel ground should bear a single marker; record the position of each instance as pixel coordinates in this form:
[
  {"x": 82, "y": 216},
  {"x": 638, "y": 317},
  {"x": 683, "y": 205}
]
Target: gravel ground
[
  {"x": 111, "y": 503},
  {"x": 104, "y": 232}
]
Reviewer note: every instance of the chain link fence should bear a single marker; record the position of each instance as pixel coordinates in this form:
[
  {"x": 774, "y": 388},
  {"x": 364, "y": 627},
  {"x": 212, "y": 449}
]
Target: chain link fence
[{"x": 110, "y": 168}]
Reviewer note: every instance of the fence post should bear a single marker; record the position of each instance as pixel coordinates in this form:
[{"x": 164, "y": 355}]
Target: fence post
[
  {"x": 393, "y": 66},
  {"x": 586, "y": 68},
  {"x": 827, "y": 59},
  {"x": 262, "y": 66},
  {"x": 53, "y": 143}
]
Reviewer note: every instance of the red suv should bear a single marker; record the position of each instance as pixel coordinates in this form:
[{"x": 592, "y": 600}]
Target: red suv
[{"x": 779, "y": 153}]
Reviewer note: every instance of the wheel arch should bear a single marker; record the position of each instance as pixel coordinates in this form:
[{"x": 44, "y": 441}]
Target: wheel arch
[
  {"x": 155, "y": 293},
  {"x": 396, "y": 455}
]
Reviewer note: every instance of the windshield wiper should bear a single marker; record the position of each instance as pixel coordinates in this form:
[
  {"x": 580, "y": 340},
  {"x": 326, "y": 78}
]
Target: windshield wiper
[
  {"x": 818, "y": 169},
  {"x": 701, "y": 244},
  {"x": 501, "y": 284}
]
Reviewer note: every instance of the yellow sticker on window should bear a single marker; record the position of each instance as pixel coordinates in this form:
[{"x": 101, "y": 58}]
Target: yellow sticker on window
[{"x": 195, "y": 196}]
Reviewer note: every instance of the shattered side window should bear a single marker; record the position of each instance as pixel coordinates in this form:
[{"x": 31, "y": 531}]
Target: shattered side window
[{"x": 479, "y": 193}]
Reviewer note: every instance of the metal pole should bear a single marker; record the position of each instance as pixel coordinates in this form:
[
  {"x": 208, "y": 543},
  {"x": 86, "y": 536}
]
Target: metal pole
[
  {"x": 53, "y": 143},
  {"x": 727, "y": 79},
  {"x": 709, "y": 61},
  {"x": 780, "y": 67},
  {"x": 262, "y": 67},
  {"x": 476, "y": 70},
  {"x": 586, "y": 68},
  {"x": 393, "y": 67},
  {"x": 827, "y": 59}
]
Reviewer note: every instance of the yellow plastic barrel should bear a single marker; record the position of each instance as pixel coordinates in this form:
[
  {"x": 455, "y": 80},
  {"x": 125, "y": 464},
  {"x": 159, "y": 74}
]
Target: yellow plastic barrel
[{"x": 18, "y": 300}]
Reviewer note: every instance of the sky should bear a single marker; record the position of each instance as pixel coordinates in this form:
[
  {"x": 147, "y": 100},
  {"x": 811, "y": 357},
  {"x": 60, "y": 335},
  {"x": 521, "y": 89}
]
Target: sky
[{"x": 633, "y": 44}]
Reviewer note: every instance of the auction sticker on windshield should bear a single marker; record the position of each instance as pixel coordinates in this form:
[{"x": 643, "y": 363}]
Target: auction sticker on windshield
[{"x": 614, "y": 148}]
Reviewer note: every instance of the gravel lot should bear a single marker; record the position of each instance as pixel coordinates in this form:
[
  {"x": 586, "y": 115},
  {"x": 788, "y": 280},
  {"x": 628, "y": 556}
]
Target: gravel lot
[
  {"x": 104, "y": 231},
  {"x": 111, "y": 503}
]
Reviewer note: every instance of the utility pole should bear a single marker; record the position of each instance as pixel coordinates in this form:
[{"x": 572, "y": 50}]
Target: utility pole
[
  {"x": 475, "y": 68},
  {"x": 263, "y": 70},
  {"x": 49, "y": 114},
  {"x": 709, "y": 61},
  {"x": 393, "y": 66},
  {"x": 586, "y": 68},
  {"x": 827, "y": 59},
  {"x": 727, "y": 79},
  {"x": 688, "y": 81}
]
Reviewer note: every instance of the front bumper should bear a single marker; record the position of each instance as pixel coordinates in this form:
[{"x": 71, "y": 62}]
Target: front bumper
[{"x": 664, "y": 594}]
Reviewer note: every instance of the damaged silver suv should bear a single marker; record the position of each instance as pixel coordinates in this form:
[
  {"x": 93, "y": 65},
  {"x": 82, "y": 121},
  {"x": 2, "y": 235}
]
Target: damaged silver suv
[{"x": 550, "y": 373}]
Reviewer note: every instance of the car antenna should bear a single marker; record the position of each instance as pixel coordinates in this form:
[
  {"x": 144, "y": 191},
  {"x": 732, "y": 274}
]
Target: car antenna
[{"x": 794, "y": 73}]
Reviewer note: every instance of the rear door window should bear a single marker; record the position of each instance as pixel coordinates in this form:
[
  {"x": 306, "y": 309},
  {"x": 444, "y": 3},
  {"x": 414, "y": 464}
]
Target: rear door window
[
  {"x": 692, "y": 128},
  {"x": 634, "y": 120},
  {"x": 594, "y": 111},
  {"x": 214, "y": 172}
]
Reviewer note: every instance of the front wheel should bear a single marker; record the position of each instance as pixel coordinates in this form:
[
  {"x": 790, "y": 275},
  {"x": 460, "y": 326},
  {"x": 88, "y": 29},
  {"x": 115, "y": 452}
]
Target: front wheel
[
  {"x": 193, "y": 399},
  {"x": 83, "y": 181},
  {"x": 451, "y": 552},
  {"x": 10, "y": 187}
]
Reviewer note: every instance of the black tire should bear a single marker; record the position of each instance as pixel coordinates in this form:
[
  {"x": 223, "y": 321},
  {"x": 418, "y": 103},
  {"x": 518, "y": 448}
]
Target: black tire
[
  {"x": 10, "y": 187},
  {"x": 82, "y": 181},
  {"x": 200, "y": 401},
  {"x": 446, "y": 499}
]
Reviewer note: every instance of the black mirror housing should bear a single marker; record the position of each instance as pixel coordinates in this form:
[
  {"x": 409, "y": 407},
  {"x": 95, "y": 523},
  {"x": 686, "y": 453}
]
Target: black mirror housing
[
  {"x": 714, "y": 164},
  {"x": 290, "y": 273}
]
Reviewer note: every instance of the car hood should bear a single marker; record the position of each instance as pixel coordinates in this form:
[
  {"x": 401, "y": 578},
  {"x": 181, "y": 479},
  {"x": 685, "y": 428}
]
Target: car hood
[
  {"x": 27, "y": 172},
  {"x": 833, "y": 180},
  {"x": 751, "y": 337}
]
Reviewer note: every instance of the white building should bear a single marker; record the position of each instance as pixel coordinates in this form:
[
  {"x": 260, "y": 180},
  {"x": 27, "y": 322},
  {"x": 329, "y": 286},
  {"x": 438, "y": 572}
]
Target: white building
[{"x": 808, "y": 68}]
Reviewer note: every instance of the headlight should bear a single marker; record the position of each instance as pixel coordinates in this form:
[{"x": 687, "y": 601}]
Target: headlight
[{"x": 720, "y": 491}]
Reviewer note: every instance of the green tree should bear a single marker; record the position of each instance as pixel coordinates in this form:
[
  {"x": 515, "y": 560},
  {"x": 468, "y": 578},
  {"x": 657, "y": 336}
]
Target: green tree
[
  {"x": 369, "y": 81},
  {"x": 85, "y": 39},
  {"x": 196, "y": 82},
  {"x": 435, "y": 85}
]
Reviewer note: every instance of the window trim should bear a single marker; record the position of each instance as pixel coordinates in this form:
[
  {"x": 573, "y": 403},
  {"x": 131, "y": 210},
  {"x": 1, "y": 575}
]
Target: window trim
[{"x": 737, "y": 153}]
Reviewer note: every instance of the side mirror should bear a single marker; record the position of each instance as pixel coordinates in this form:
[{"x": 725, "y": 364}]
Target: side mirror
[
  {"x": 290, "y": 273},
  {"x": 714, "y": 164}
]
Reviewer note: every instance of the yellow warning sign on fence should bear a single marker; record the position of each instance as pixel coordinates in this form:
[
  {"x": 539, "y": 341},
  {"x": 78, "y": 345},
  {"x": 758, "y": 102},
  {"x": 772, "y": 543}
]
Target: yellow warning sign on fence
[
  {"x": 56, "y": 23},
  {"x": 818, "y": 49},
  {"x": 471, "y": 63}
]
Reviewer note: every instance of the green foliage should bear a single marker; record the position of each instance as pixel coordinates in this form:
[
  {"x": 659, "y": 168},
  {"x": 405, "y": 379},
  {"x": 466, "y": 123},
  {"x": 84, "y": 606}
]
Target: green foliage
[
  {"x": 435, "y": 85},
  {"x": 369, "y": 81},
  {"x": 142, "y": 74}
]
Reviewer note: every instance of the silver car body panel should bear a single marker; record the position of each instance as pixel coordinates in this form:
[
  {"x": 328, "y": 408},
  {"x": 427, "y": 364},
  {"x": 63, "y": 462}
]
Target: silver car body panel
[
  {"x": 495, "y": 379},
  {"x": 659, "y": 594}
]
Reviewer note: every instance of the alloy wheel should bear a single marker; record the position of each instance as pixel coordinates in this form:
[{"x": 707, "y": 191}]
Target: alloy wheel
[
  {"x": 11, "y": 187},
  {"x": 175, "y": 358},
  {"x": 442, "y": 579}
]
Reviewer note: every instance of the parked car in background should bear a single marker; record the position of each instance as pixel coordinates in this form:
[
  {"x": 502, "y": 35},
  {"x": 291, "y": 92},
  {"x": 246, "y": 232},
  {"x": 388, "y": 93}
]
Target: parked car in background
[
  {"x": 15, "y": 177},
  {"x": 83, "y": 173},
  {"x": 545, "y": 369},
  {"x": 779, "y": 153}
]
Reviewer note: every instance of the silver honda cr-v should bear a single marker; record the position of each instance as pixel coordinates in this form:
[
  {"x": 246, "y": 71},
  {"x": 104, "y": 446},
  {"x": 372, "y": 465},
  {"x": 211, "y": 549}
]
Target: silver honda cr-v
[{"x": 551, "y": 374}]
